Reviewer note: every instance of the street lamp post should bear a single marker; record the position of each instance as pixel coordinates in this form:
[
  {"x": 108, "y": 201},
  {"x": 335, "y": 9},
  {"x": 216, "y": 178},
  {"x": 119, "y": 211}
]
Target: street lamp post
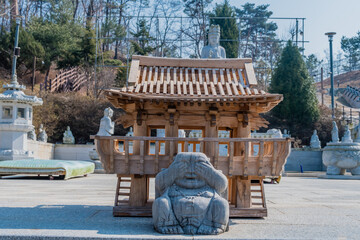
[
  {"x": 16, "y": 52},
  {"x": 330, "y": 35}
]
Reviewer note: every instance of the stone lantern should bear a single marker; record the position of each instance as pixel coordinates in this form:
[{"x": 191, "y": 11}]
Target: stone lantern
[{"x": 15, "y": 114}]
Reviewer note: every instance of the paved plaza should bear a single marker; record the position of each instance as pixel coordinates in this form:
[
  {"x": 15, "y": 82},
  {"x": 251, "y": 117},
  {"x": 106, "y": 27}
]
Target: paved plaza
[{"x": 298, "y": 208}]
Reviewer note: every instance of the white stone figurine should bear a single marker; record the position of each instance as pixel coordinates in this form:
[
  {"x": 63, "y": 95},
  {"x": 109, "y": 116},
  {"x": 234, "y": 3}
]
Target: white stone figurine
[
  {"x": 189, "y": 197},
  {"x": 32, "y": 135},
  {"x": 130, "y": 133},
  {"x": 357, "y": 139},
  {"x": 213, "y": 50},
  {"x": 334, "y": 133},
  {"x": 68, "y": 136},
  {"x": 106, "y": 125},
  {"x": 347, "y": 135},
  {"x": 42, "y": 137},
  {"x": 315, "y": 142}
]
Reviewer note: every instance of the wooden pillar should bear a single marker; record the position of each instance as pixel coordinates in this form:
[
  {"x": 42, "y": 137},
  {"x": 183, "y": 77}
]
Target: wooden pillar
[
  {"x": 210, "y": 132},
  {"x": 171, "y": 130},
  {"x": 138, "y": 191},
  {"x": 241, "y": 185},
  {"x": 243, "y": 193}
]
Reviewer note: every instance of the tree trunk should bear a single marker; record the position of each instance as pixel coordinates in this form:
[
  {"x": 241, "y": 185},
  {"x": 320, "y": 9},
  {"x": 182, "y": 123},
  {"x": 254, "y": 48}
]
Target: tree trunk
[
  {"x": 33, "y": 74},
  {"x": 75, "y": 9}
]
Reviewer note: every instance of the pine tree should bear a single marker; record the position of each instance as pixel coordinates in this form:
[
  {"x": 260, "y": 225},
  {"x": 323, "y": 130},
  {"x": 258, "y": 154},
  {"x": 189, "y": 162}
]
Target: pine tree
[
  {"x": 143, "y": 45},
  {"x": 228, "y": 28},
  {"x": 291, "y": 78}
]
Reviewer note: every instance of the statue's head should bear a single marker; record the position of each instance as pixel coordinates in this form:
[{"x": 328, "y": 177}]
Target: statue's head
[
  {"x": 315, "y": 132},
  {"x": 191, "y": 179},
  {"x": 214, "y": 35},
  {"x": 68, "y": 128},
  {"x": 334, "y": 124},
  {"x": 108, "y": 112},
  {"x": 41, "y": 126}
]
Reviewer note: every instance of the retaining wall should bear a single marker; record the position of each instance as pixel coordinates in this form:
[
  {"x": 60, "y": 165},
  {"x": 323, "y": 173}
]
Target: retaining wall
[
  {"x": 307, "y": 159},
  {"x": 44, "y": 150},
  {"x": 41, "y": 150}
]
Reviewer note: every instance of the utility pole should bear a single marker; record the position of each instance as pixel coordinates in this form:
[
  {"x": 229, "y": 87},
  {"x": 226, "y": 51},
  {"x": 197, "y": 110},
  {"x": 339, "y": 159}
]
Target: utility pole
[
  {"x": 322, "y": 86},
  {"x": 297, "y": 31},
  {"x": 330, "y": 36}
]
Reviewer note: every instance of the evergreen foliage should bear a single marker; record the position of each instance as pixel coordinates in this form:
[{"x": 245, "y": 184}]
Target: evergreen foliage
[
  {"x": 256, "y": 30},
  {"x": 30, "y": 48},
  {"x": 228, "y": 28},
  {"x": 351, "y": 48},
  {"x": 120, "y": 80},
  {"x": 143, "y": 45},
  {"x": 313, "y": 64},
  {"x": 291, "y": 78}
]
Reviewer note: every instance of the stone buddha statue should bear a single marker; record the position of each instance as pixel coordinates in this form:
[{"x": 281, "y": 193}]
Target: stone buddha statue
[
  {"x": 32, "y": 135},
  {"x": 68, "y": 136},
  {"x": 314, "y": 141},
  {"x": 42, "y": 137},
  {"x": 189, "y": 197},
  {"x": 334, "y": 133},
  {"x": 347, "y": 135},
  {"x": 213, "y": 49},
  {"x": 106, "y": 125}
]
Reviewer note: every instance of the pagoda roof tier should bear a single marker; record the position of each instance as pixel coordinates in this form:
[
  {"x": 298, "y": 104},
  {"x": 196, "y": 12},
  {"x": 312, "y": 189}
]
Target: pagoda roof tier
[
  {"x": 192, "y": 80},
  {"x": 16, "y": 95}
]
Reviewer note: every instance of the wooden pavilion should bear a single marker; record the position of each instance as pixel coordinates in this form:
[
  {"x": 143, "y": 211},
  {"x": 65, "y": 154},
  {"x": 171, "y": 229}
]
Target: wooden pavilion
[{"x": 168, "y": 99}]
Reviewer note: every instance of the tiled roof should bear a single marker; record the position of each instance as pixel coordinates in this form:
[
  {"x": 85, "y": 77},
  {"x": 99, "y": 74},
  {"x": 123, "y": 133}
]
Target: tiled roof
[{"x": 191, "y": 79}]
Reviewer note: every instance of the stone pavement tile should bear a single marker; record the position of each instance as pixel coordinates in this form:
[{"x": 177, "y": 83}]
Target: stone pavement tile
[{"x": 298, "y": 208}]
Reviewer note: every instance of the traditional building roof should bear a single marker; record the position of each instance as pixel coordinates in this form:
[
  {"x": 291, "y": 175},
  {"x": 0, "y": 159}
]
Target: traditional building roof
[{"x": 210, "y": 80}]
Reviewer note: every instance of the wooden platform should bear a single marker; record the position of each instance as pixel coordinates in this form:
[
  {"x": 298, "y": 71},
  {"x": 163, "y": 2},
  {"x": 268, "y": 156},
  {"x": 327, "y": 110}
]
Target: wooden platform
[{"x": 248, "y": 191}]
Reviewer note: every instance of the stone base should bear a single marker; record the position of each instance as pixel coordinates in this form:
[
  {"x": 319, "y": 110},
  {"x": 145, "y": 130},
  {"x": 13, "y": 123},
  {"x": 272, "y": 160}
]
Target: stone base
[
  {"x": 6, "y": 154},
  {"x": 339, "y": 177}
]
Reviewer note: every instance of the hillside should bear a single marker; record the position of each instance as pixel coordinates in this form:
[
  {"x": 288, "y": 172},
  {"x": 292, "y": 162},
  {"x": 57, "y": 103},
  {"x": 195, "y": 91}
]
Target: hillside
[{"x": 349, "y": 78}]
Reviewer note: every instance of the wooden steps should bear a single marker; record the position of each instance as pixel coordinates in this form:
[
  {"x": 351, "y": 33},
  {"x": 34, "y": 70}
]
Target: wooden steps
[
  {"x": 122, "y": 189},
  {"x": 257, "y": 193},
  {"x": 122, "y": 207}
]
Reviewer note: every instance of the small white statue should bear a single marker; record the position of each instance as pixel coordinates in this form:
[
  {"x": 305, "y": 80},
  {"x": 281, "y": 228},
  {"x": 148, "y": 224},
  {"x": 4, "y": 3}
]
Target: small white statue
[
  {"x": 315, "y": 142},
  {"x": 106, "y": 125},
  {"x": 130, "y": 133},
  {"x": 68, "y": 136},
  {"x": 357, "y": 139},
  {"x": 32, "y": 135},
  {"x": 182, "y": 134},
  {"x": 347, "y": 135},
  {"x": 213, "y": 50},
  {"x": 42, "y": 137},
  {"x": 334, "y": 133}
]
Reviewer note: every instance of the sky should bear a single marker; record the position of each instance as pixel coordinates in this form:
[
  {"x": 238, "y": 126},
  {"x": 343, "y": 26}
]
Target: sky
[{"x": 340, "y": 16}]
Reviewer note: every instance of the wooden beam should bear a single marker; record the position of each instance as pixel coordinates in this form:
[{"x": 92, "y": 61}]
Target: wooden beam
[
  {"x": 197, "y": 63},
  {"x": 250, "y": 74},
  {"x": 134, "y": 72}
]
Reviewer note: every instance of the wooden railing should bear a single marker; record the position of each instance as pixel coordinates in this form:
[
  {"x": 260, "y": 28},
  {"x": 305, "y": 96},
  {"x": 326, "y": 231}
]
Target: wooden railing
[
  {"x": 243, "y": 156},
  {"x": 65, "y": 81}
]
